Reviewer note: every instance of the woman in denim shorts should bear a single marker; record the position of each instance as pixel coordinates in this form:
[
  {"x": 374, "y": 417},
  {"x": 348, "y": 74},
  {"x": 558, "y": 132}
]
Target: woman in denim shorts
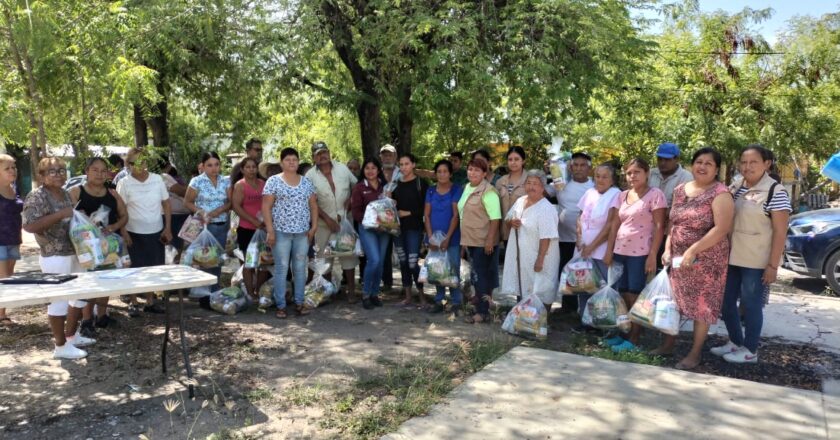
[{"x": 10, "y": 223}]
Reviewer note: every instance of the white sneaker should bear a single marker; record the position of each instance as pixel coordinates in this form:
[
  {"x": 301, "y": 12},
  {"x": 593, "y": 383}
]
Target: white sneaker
[
  {"x": 742, "y": 356},
  {"x": 80, "y": 341},
  {"x": 729, "y": 347},
  {"x": 68, "y": 351}
]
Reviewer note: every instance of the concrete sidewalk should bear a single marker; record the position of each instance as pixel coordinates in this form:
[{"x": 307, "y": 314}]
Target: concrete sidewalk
[{"x": 538, "y": 394}]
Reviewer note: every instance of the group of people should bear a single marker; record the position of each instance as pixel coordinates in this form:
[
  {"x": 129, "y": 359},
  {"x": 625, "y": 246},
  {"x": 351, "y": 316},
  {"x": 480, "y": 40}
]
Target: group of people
[{"x": 729, "y": 240}]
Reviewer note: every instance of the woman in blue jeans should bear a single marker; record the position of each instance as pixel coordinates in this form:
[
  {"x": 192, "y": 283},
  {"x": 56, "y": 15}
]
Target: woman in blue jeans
[
  {"x": 208, "y": 195},
  {"x": 290, "y": 214},
  {"x": 441, "y": 214},
  {"x": 374, "y": 243},
  {"x": 410, "y": 196}
]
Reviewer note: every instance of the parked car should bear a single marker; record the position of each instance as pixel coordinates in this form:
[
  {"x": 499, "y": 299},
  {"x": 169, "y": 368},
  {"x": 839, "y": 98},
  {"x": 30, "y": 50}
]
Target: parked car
[
  {"x": 75, "y": 180},
  {"x": 813, "y": 245}
]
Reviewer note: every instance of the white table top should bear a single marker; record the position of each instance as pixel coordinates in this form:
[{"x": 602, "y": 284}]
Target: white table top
[{"x": 98, "y": 284}]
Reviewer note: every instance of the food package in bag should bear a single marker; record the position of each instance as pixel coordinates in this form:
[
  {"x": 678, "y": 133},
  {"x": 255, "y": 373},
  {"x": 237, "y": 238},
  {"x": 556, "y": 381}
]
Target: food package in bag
[
  {"x": 440, "y": 272},
  {"x": 266, "y": 293},
  {"x": 204, "y": 253},
  {"x": 381, "y": 215},
  {"x": 117, "y": 251},
  {"x": 170, "y": 253},
  {"x": 257, "y": 250},
  {"x": 643, "y": 311},
  {"x": 228, "y": 301},
  {"x": 606, "y": 309},
  {"x": 191, "y": 229},
  {"x": 423, "y": 278},
  {"x": 666, "y": 317},
  {"x": 357, "y": 250},
  {"x": 231, "y": 242},
  {"x": 87, "y": 240},
  {"x": 528, "y": 317},
  {"x": 466, "y": 278},
  {"x": 580, "y": 275},
  {"x": 345, "y": 240},
  {"x": 319, "y": 290}
]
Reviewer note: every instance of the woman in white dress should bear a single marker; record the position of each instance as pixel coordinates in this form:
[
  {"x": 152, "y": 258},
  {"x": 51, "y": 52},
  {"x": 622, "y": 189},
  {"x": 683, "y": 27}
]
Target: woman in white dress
[{"x": 534, "y": 222}]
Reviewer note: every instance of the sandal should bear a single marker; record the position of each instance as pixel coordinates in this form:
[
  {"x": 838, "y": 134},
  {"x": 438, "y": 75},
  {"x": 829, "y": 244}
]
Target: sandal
[
  {"x": 302, "y": 310},
  {"x": 281, "y": 314},
  {"x": 6, "y": 322}
]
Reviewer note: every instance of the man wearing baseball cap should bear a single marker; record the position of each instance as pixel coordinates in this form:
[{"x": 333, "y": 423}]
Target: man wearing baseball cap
[
  {"x": 388, "y": 157},
  {"x": 668, "y": 173}
]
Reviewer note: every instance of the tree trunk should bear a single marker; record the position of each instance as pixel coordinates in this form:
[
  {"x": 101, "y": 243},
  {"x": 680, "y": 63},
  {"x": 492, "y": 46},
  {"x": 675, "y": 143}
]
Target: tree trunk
[
  {"x": 370, "y": 122},
  {"x": 141, "y": 133},
  {"x": 159, "y": 124},
  {"x": 401, "y": 131}
]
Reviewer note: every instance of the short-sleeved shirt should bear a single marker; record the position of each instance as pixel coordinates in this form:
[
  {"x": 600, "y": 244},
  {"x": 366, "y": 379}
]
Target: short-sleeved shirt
[
  {"x": 55, "y": 240},
  {"x": 333, "y": 203},
  {"x": 290, "y": 213},
  {"x": 668, "y": 184},
  {"x": 490, "y": 200},
  {"x": 635, "y": 232},
  {"x": 567, "y": 207},
  {"x": 780, "y": 201},
  {"x": 592, "y": 224},
  {"x": 176, "y": 202},
  {"x": 10, "y": 221},
  {"x": 211, "y": 197},
  {"x": 143, "y": 203},
  {"x": 440, "y": 213}
]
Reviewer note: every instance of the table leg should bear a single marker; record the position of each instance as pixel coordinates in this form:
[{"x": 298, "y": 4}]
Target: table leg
[
  {"x": 166, "y": 330},
  {"x": 184, "y": 348}
]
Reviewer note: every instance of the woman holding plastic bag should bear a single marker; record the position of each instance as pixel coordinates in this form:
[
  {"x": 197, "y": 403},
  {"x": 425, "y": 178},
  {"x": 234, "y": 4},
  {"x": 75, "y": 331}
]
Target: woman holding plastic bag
[
  {"x": 441, "y": 214},
  {"x": 599, "y": 209},
  {"x": 290, "y": 212},
  {"x": 89, "y": 198},
  {"x": 480, "y": 213},
  {"x": 532, "y": 258},
  {"x": 374, "y": 242},
  {"x": 634, "y": 238},
  {"x": 698, "y": 246},
  {"x": 208, "y": 195},
  {"x": 410, "y": 195},
  {"x": 246, "y": 199}
]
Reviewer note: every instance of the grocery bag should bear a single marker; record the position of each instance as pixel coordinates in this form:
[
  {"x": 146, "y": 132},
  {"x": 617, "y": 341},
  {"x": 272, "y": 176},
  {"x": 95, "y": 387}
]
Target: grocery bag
[
  {"x": 229, "y": 301},
  {"x": 319, "y": 290},
  {"x": 345, "y": 240},
  {"x": 87, "y": 240},
  {"x": 258, "y": 251},
  {"x": 606, "y": 309},
  {"x": 465, "y": 276},
  {"x": 192, "y": 228},
  {"x": 358, "y": 249},
  {"x": 437, "y": 264},
  {"x": 381, "y": 215},
  {"x": 204, "y": 253},
  {"x": 656, "y": 308},
  {"x": 580, "y": 275},
  {"x": 231, "y": 241},
  {"x": 528, "y": 317},
  {"x": 266, "y": 293}
]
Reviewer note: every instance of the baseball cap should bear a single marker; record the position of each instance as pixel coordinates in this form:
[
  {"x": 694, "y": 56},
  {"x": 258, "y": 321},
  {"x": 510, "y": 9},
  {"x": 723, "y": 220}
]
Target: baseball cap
[
  {"x": 388, "y": 147},
  {"x": 318, "y": 147},
  {"x": 667, "y": 150}
]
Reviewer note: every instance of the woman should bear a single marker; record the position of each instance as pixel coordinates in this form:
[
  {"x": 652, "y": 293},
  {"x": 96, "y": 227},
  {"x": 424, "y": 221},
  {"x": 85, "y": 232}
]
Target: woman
[
  {"x": 290, "y": 213},
  {"x": 634, "y": 239},
  {"x": 492, "y": 177},
  {"x": 46, "y": 213},
  {"x": 599, "y": 209},
  {"x": 511, "y": 186},
  {"x": 441, "y": 214},
  {"x": 247, "y": 203},
  {"x": 480, "y": 213},
  {"x": 701, "y": 219},
  {"x": 532, "y": 259},
  {"x": 410, "y": 196},
  {"x": 208, "y": 195},
  {"x": 10, "y": 223},
  {"x": 88, "y": 198},
  {"x": 762, "y": 211},
  {"x": 177, "y": 190},
  {"x": 374, "y": 243}
]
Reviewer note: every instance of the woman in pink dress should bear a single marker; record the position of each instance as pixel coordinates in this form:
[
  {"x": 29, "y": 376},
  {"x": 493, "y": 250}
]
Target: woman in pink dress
[
  {"x": 246, "y": 201},
  {"x": 701, "y": 218}
]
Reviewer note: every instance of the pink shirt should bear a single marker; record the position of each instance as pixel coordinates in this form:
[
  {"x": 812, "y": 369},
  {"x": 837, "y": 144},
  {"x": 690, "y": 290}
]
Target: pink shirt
[
  {"x": 251, "y": 201},
  {"x": 592, "y": 224},
  {"x": 635, "y": 232}
]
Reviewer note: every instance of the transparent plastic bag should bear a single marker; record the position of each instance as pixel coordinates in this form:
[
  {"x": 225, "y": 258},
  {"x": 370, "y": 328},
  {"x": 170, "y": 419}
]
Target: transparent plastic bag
[
  {"x": 357, "y": 250},
  {"x": 266, "y": 293},
  {"x": 395, "y": 180},
  {"x": 204, "y": 253},
  {"x": 528, "y": 317},
  {"x": 381, "y": 215},
  {"x": 440, "y": 272},
  {"x": 170, "y": 253},
  {"x": 319, "y": 290},
  {"x": 656, "y": 308},
  {"x": 87, "y": 240},
  {"x": 346, "y": 239},
  {"x": 423, "y": 278},
  {"x": 192, "y": 228},
  {"x": 238, "y": 277},
  {"x": 466, "y": 278},
  {"x": 258, "y": 251},
  {"x": 606, "y": 309},
  {"x": 199, "y": 292},
  {"x": 580, "y": 275},
  {"x": 231, "y": 242},
  {"x": 228, "y": 301}
]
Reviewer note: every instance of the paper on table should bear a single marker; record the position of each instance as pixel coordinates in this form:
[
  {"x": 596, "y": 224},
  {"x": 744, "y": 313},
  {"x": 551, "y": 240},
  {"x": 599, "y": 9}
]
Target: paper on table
[{"x": 117, "y": 274}]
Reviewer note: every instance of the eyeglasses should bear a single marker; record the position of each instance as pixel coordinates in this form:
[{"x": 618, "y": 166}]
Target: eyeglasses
[{"x": 56, "y": 171}]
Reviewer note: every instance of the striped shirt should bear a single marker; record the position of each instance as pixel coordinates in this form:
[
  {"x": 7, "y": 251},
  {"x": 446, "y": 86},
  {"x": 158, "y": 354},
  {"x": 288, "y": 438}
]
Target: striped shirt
[{"x": 779, "y": 202}]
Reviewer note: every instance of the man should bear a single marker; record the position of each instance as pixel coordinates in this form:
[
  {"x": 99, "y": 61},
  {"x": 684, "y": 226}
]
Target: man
[
  {"x": 459, "y": 172},
  {"x": 333, "y": 185},
  {"x": 253, "y": 150},
  {"x": 388, "y": 157},
  {"x": 668, "y": 173},
  {"x": 568, "y": 196},
  {"x": 354, "y": 167}
]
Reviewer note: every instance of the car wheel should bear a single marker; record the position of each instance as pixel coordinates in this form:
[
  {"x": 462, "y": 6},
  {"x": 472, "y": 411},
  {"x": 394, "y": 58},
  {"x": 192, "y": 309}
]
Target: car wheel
[{"x": 831, "y": 271}]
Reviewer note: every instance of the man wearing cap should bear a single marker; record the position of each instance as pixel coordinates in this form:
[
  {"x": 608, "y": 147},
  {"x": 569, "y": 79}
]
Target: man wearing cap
[
  {"x": 253, "y": 150},
  {"x": 388, "y": 157},
  {"x": 668, "y": 173},
  {"x": 333, "y": 185}
]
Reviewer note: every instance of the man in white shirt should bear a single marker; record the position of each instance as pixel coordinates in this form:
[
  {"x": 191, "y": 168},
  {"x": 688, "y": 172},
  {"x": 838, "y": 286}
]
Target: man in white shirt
[
  {"x": 668, "y": 173},
  {"x": 333, "y": 185},
  {"x": 567, "y": 201}
]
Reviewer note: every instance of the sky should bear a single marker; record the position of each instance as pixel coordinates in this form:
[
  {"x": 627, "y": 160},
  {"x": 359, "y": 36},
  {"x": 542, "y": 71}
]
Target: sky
[{"x": 783, "y": 11}]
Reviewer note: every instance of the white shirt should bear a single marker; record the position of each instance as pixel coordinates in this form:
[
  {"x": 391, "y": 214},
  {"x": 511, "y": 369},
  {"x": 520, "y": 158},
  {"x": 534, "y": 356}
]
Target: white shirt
[
  {"x": 567, "y": 207},
  {"x": 143, "y": 202},
  {"x": 176, "y": 202},
  {"x": 667, "y": 185},
  {"x": 333, "y": 203}
]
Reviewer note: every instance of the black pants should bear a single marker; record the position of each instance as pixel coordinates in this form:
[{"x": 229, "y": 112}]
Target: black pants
[
  {"x": 567, "y": 251},
  {"x": 388, "y": 268}
]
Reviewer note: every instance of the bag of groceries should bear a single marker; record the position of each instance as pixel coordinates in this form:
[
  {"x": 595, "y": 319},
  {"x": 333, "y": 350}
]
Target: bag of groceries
[
  {"x": 192, "y": 228},
  {"x": 229, "y": 301},
  {"x": 580, "y": 275},
  {"x": 440, "y": 272},
  {"x": 606, "y": 309},
  {"x": 656, "y": 307},
  {"x": 87, "y": 240},
  {"x": 528, "y": 317},
  {"x": 319, "y": 290},
  {"x": 345, "y": 240},
  {"x": 381, "y": 215},
  {"x": 113, "y": 246},
  {"x": 466, "y": 278},
  {"x": 266, "y": 293},
  {"x": 231, "y": 241},
  {"x": 204, "y": 253},
  {"x": 258, "y": 252}
]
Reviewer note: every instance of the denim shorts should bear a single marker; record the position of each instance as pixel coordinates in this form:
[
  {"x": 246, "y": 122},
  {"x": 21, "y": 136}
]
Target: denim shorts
[
  {"x": 633, "y": 278},
  {"x": 10, "y": 252}
]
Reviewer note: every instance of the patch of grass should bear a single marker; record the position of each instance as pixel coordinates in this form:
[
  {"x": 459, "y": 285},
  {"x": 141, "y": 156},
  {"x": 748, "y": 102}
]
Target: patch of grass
[
  {"x": 302, "y": 394},
  {"x": 580, "y": 344},
  {"x": 259, "y": 394},
  {"x": 227, "y": 434}
]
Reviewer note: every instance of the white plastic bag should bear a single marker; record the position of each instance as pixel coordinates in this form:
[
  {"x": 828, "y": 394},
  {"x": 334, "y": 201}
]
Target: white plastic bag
[
  {"x": 345, "y": 240},
  {"x": 266, "y": 293},
  {"x": 319, "y": 290},
  {"x": 169, "y": 254},
  {"x": 87, "y": 240},
  {"x": 580, "y": 275},
  {"x": 656, "y": 307},
  {"x": 192, "y": 227},
  {"x": 358, "y": 249},
  {"x": 204, "y": 253},
  {"x": 528, "y": 317},
  {"x": 258, "y": 252},
  {"x": 381, "y": 215},
  {"x": 199, "y": 292},
  {"x": 606, "y": 309},
  {"x": 229, "y": 301}
]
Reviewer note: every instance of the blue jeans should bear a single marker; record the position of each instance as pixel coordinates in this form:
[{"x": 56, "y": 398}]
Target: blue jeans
[
  {"x": 454, "y": 254},
  {"x": 485, "y": 276},
  {"x": 583, "y": 298},
  {"x": 219, "y": 232},
  {"x": 744, "y": 283},
  {"x": 407, "y": 246},
  {"x": 374, "y": 244},
  {"x": 288, "y": 247}
]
